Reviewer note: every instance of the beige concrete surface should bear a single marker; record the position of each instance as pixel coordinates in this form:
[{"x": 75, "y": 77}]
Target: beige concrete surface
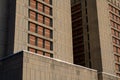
[{"x": 30, "y": 66}]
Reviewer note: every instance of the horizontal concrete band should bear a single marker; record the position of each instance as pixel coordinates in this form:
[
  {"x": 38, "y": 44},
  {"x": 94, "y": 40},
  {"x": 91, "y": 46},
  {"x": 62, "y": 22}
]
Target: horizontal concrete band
[
  {"x": 108, "y": 75},
  {"x": 34, "y": 66}
]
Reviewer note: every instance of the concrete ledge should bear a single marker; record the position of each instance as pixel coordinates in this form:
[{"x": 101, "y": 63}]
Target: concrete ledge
[
  {"x": 59, "y": 61},
  {"x": 107, "y": 76},
  {"x": 29, "y": 66}
]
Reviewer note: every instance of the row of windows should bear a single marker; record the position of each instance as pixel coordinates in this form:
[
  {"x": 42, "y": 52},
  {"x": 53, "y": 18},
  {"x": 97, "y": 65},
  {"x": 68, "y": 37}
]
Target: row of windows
[
  {"x": 78, "y": 31},
  {"x": 77, "y": 23},
  {"x": 40, "y": 52},
  {"x": 40, "y": 18},
  {"x": 75, "y": 1},
  {"x": 46, "y": 1},
  {"x": 78, "y": 41},
  {"x": 40, "y": 7},
  {"x": 115, "y": 25},
  {"x": 79, "y": 50},
  {"x": 116, "y": 41},
  {"x": 114, "y": 17},
  {"x": 116, "y": 49},
  {"x": 76, "y": 28},
  {"x": 80, "y": 47},
  {"x": 42, "y": 43},
  {"x": 115, "y": 10},
  {"x": 116, "y": 3},
  {"x": 116, "y": 33},
  {"x": 118, "y": 74},
  {"x": 117, "y": 58},
  {"x": 77, "y": 15},
  {"x": 117, "y": 66},
  {"x": 40, "y": 30},
  {"x": 77, "y": 37},
  {"x": 76, "y": 7}
]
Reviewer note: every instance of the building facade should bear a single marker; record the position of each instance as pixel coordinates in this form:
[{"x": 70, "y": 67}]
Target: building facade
[
  {"x": 96, "y": 29},
  {"x": 38, "y": 26},
  {"x": 43, "y": 27}
]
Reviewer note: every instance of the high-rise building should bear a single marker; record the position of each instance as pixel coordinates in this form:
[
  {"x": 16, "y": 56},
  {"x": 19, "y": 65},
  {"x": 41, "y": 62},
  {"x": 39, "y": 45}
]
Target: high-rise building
[
  {"x": 96, "y": 35},
  {"x": 39, "y": 26},
  {"x": 43, "y": 30},
  {"x": 36, "y": 40}
]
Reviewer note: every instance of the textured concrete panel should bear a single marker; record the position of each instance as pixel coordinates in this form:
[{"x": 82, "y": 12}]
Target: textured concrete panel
[
  {"x": 62, "y": 30},
  {"x": 21, "y": 26},
  {"x": 39, "y": 67},
  {"x": 107, "y": 76},
  {"x": 30, "y": 66},
  {"x": 107, "y": 55}
]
